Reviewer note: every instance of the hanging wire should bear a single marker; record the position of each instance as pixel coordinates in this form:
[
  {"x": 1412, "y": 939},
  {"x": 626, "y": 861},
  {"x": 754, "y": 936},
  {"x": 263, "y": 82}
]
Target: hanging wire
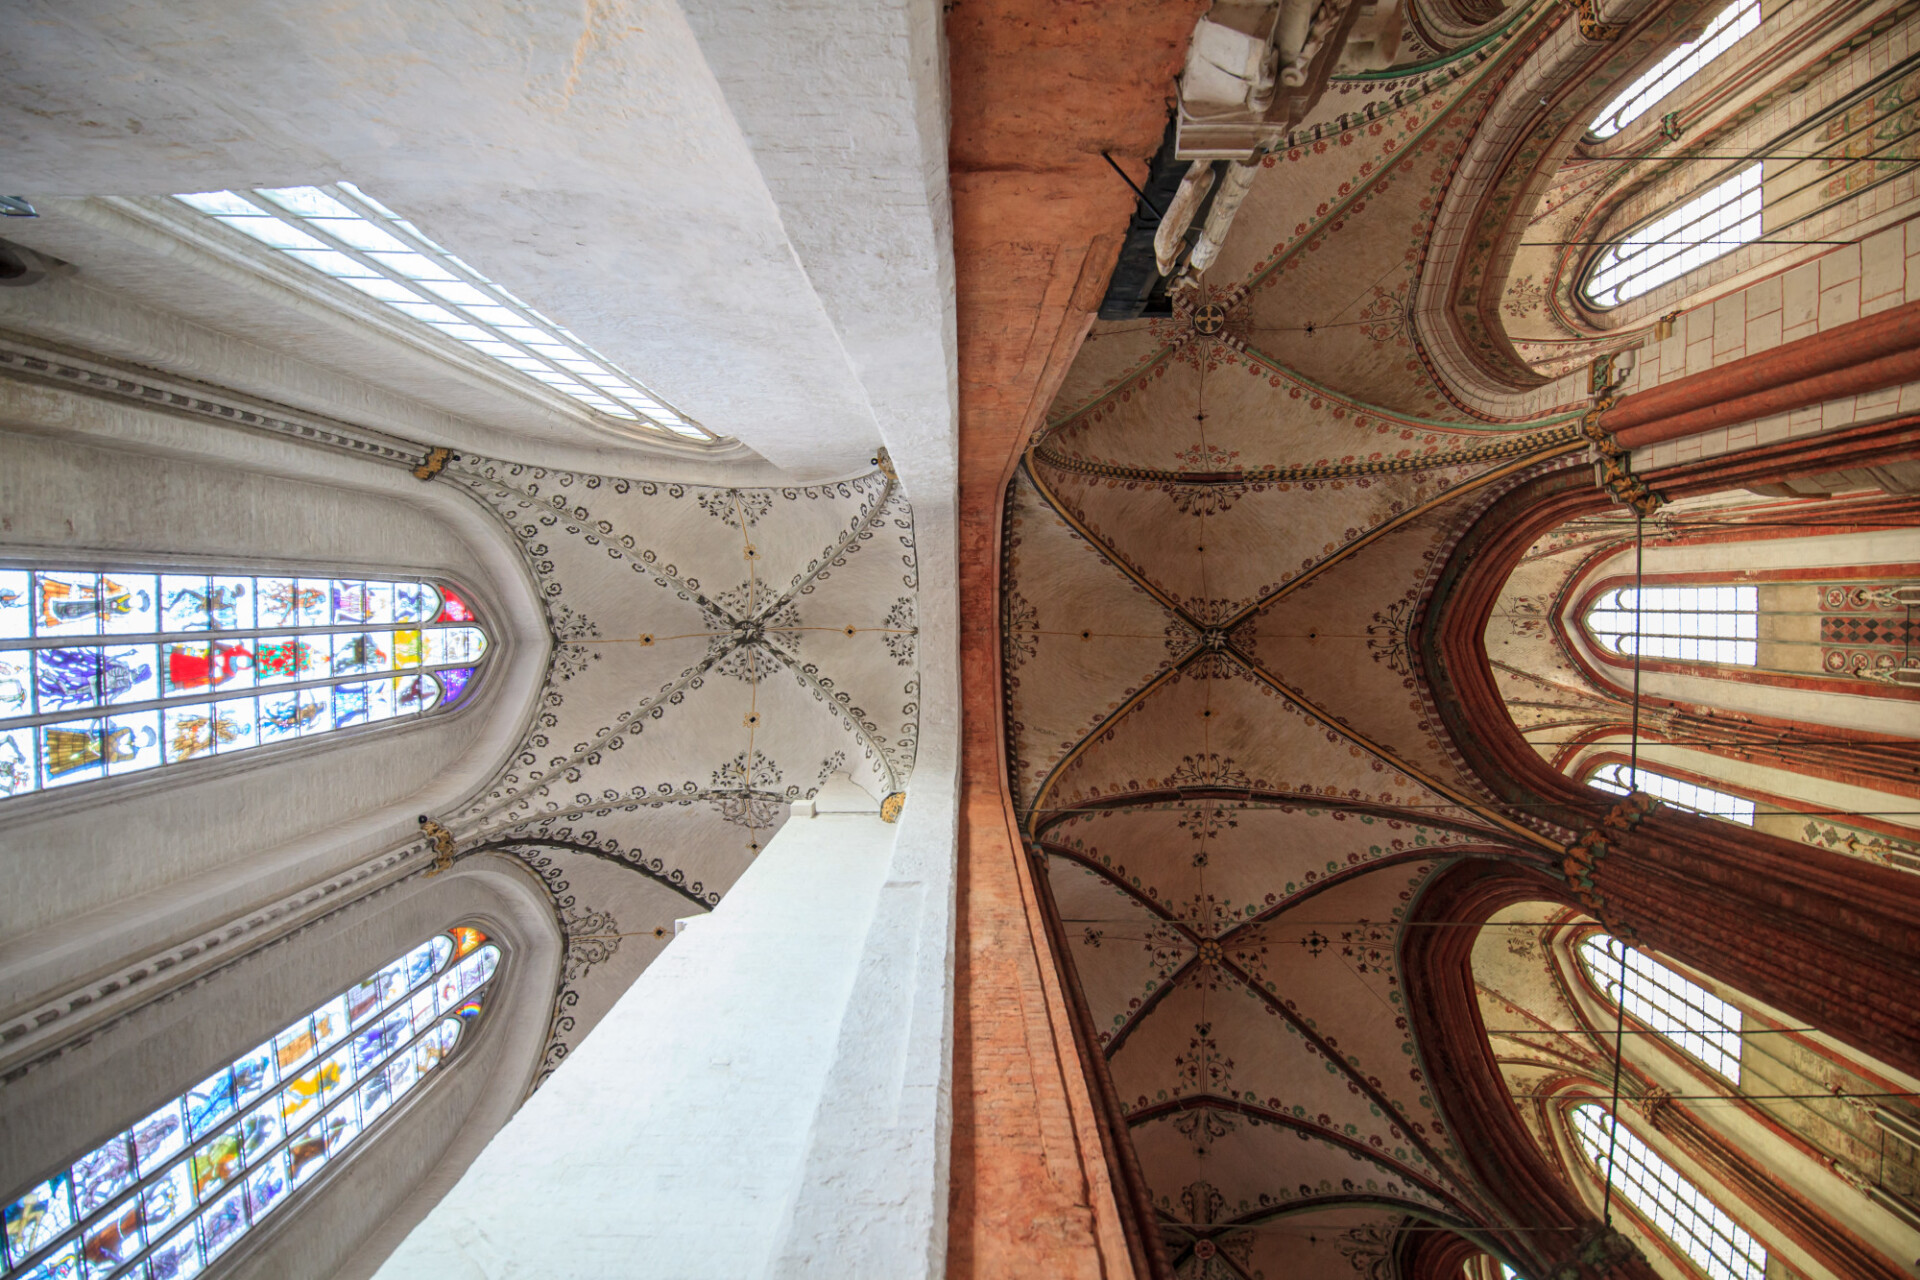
[{"x": 1620, "y": 993}]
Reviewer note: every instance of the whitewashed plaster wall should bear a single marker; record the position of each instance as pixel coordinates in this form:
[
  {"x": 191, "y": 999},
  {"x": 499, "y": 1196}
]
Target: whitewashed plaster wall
[
  {"x": 630, "y": 1161},
  {"x": 789, "y": 285}
]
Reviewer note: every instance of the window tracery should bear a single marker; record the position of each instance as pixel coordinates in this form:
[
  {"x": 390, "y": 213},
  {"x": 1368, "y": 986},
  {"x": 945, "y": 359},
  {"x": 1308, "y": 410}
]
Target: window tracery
[
  {"x": 1623, "y": 779},
  {"x": 1719, "y": 624},
  {"x": 1672, "y": 1205},
  {"x": 1679, "y": 66},
  {"x": 179, "y": 1187},
  {"x": 1708, "y": 226},
  {"x": 343, "y": 232},
  {"x": 107, "y": 673},
  {"x": 1682, "y": 1012}
]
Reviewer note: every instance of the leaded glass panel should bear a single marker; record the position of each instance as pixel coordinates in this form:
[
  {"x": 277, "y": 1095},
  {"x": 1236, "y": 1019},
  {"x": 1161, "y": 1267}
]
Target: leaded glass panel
[
  {"x": 1684, "y": 624},
  {"x": 178, "y": 1188},
  {"x": 105, "y": 673},
  {"x": 1623, "y": 780},
  {"x": 1685, "y": 1013},
  {"x": 1679, "y": 66},
  {"x": 1668, "y": 1202},
  {"x": 1711, "y": 225}
]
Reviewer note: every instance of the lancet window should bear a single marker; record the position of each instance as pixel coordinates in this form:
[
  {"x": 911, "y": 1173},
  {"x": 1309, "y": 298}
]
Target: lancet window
[
  {"x": 111, "y": 672},
  {"x": 180, "y": 1187},
  {"x": 1623, "y": 780},
  {"x": 1669, "y": 1203},
  {"x": 1684, "y": 1013},
  {"x": 1679, "y": 66},
  {"x": 1710, "y": 225},
  {"x": 1686, "y": 624},
  {"x": 345, "y": 233}
]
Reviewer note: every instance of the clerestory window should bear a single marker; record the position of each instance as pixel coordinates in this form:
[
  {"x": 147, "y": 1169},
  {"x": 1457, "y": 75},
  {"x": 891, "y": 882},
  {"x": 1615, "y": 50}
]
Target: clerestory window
[
  {"x": 1679, "y": 66},
  {"x": 1684, "y": 1013},
  {"x": 1623, "y": 780},
  {"x": 1670, "y": 1204},
  {"x": 180, "y": 1187},
  {"x": 106, "y": 673},
  {"x": 1710, "y": 225},
  {"x": 345, "y": 233},
  {"x": 1683, "y": 624}
]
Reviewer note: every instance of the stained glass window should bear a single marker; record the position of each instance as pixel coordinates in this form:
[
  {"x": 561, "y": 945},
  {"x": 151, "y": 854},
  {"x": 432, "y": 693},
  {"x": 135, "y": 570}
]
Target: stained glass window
[
  {"x": 345, "y": 233},
  {"x": 1713, "y": 223},
  {"x": 176, "y": 1189},
  {"x": 1685, "y": 1013},
  {"x": 1685, "y": 624},
  {"x": 1622, "y": 780},
  {"x": 105, "y": 673},
  {"x": 1668, "y": 74},
  {"x": 1672, "y": 1205}
]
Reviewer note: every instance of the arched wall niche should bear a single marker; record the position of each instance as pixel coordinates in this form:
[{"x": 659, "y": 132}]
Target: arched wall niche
[
  {"x": 341, "y": 1225},
  {"x": 1828, "y": 758},
  {"x": 1499, "y": 314},
  {"x": 1790, "y": 1167},
  {"x": 177, "y": 847},
  {"x": 1820, "y": 935}
]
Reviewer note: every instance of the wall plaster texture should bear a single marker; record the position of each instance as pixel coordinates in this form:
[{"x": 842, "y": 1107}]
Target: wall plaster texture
[
  {"x": 758, "y": 230},
  {"x": 678, "y": 1139}
]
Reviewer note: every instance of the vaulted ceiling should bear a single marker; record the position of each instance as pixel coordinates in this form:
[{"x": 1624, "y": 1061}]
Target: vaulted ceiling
[{"x": 1213, "y": 556}]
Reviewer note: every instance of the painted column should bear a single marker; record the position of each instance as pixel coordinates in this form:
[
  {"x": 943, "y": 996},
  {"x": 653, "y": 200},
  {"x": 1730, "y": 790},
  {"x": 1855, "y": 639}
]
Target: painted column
[{"x": 677, "y": 1139}]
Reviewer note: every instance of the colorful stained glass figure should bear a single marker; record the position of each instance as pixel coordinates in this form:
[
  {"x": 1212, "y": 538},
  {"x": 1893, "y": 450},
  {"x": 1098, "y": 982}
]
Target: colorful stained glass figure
[
  {"x": 168, "y": 1198},
  {"x": 285, "y": 602},
  {"x": 223, "y": 1222},
  {"x": 135, "y": 736},
  {"x": 198, "y": 665},
  {"x": 253, "y": 1075},
  {"x": 201, "y": 1170},
  {"x": 453, "y": 608},
  {"x": 308, "y": 1153},
  {"x": 38, "y": 1218},
  {"x": 265, "y": 1187},
  {"x": 349, "y": 705},
  {"x": 77, "y": 603},
  {"x": 62, "y": 1264},
  {"x": 375, "y": 1095},
  {"x": 316, "y": 712},
  {"x": 283, "y": 658},
  {"x": 209, "y": 1102},
  {"x": 158, "y": 1137},
  {"x": 407, "y": 649},
  {"x": 453, "y": 683},
  {"x": 16, "y": 620},
  {"x": 16, "y": 762},
  {"x": 183, "y": 602},
  {"x": 465, "y": 940},
  {"x": 103, "y": 1173},
  {"x": 115, "y": 1239},
  {"x": 235, "y": 727},
  {"x": 194, "y": 731},
  {"x": 285, "y": 716},
  {"x": 467, "y": 1009},
  {"x": 230, "y": 604},
  {"x": 361, "y": 653},
  {"x": 16, "y": 682},
  {"x": 342, "y": 1124},
  {"x": 330, "y": 1023},
  {"x": 292, "y": 1047},
  {"x": 178, "y": 1257},
  {"x": 78, "y": 749},
  {"x": 66, "y": 679},
  {"x": 260, "y": 1128},
  {"x": 412, "y": 602},
  {"x": 136, "y": 601}
]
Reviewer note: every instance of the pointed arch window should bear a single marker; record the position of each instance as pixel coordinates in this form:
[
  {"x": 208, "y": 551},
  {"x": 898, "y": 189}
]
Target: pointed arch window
[
  {"x": 1710, "y": 225},
  {"x": 341, "y": 231},
  {"x": 111, "y": 672},
  {"x": 1685, "y": 624},
  {"x": 1623, "y": 780},
  {"x": 1679, "y": 66},
  {"x": 1684, "y": 1013},
  {"x": 1670, "y": 1204},
  {"x": 180, "y": 1187}
]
